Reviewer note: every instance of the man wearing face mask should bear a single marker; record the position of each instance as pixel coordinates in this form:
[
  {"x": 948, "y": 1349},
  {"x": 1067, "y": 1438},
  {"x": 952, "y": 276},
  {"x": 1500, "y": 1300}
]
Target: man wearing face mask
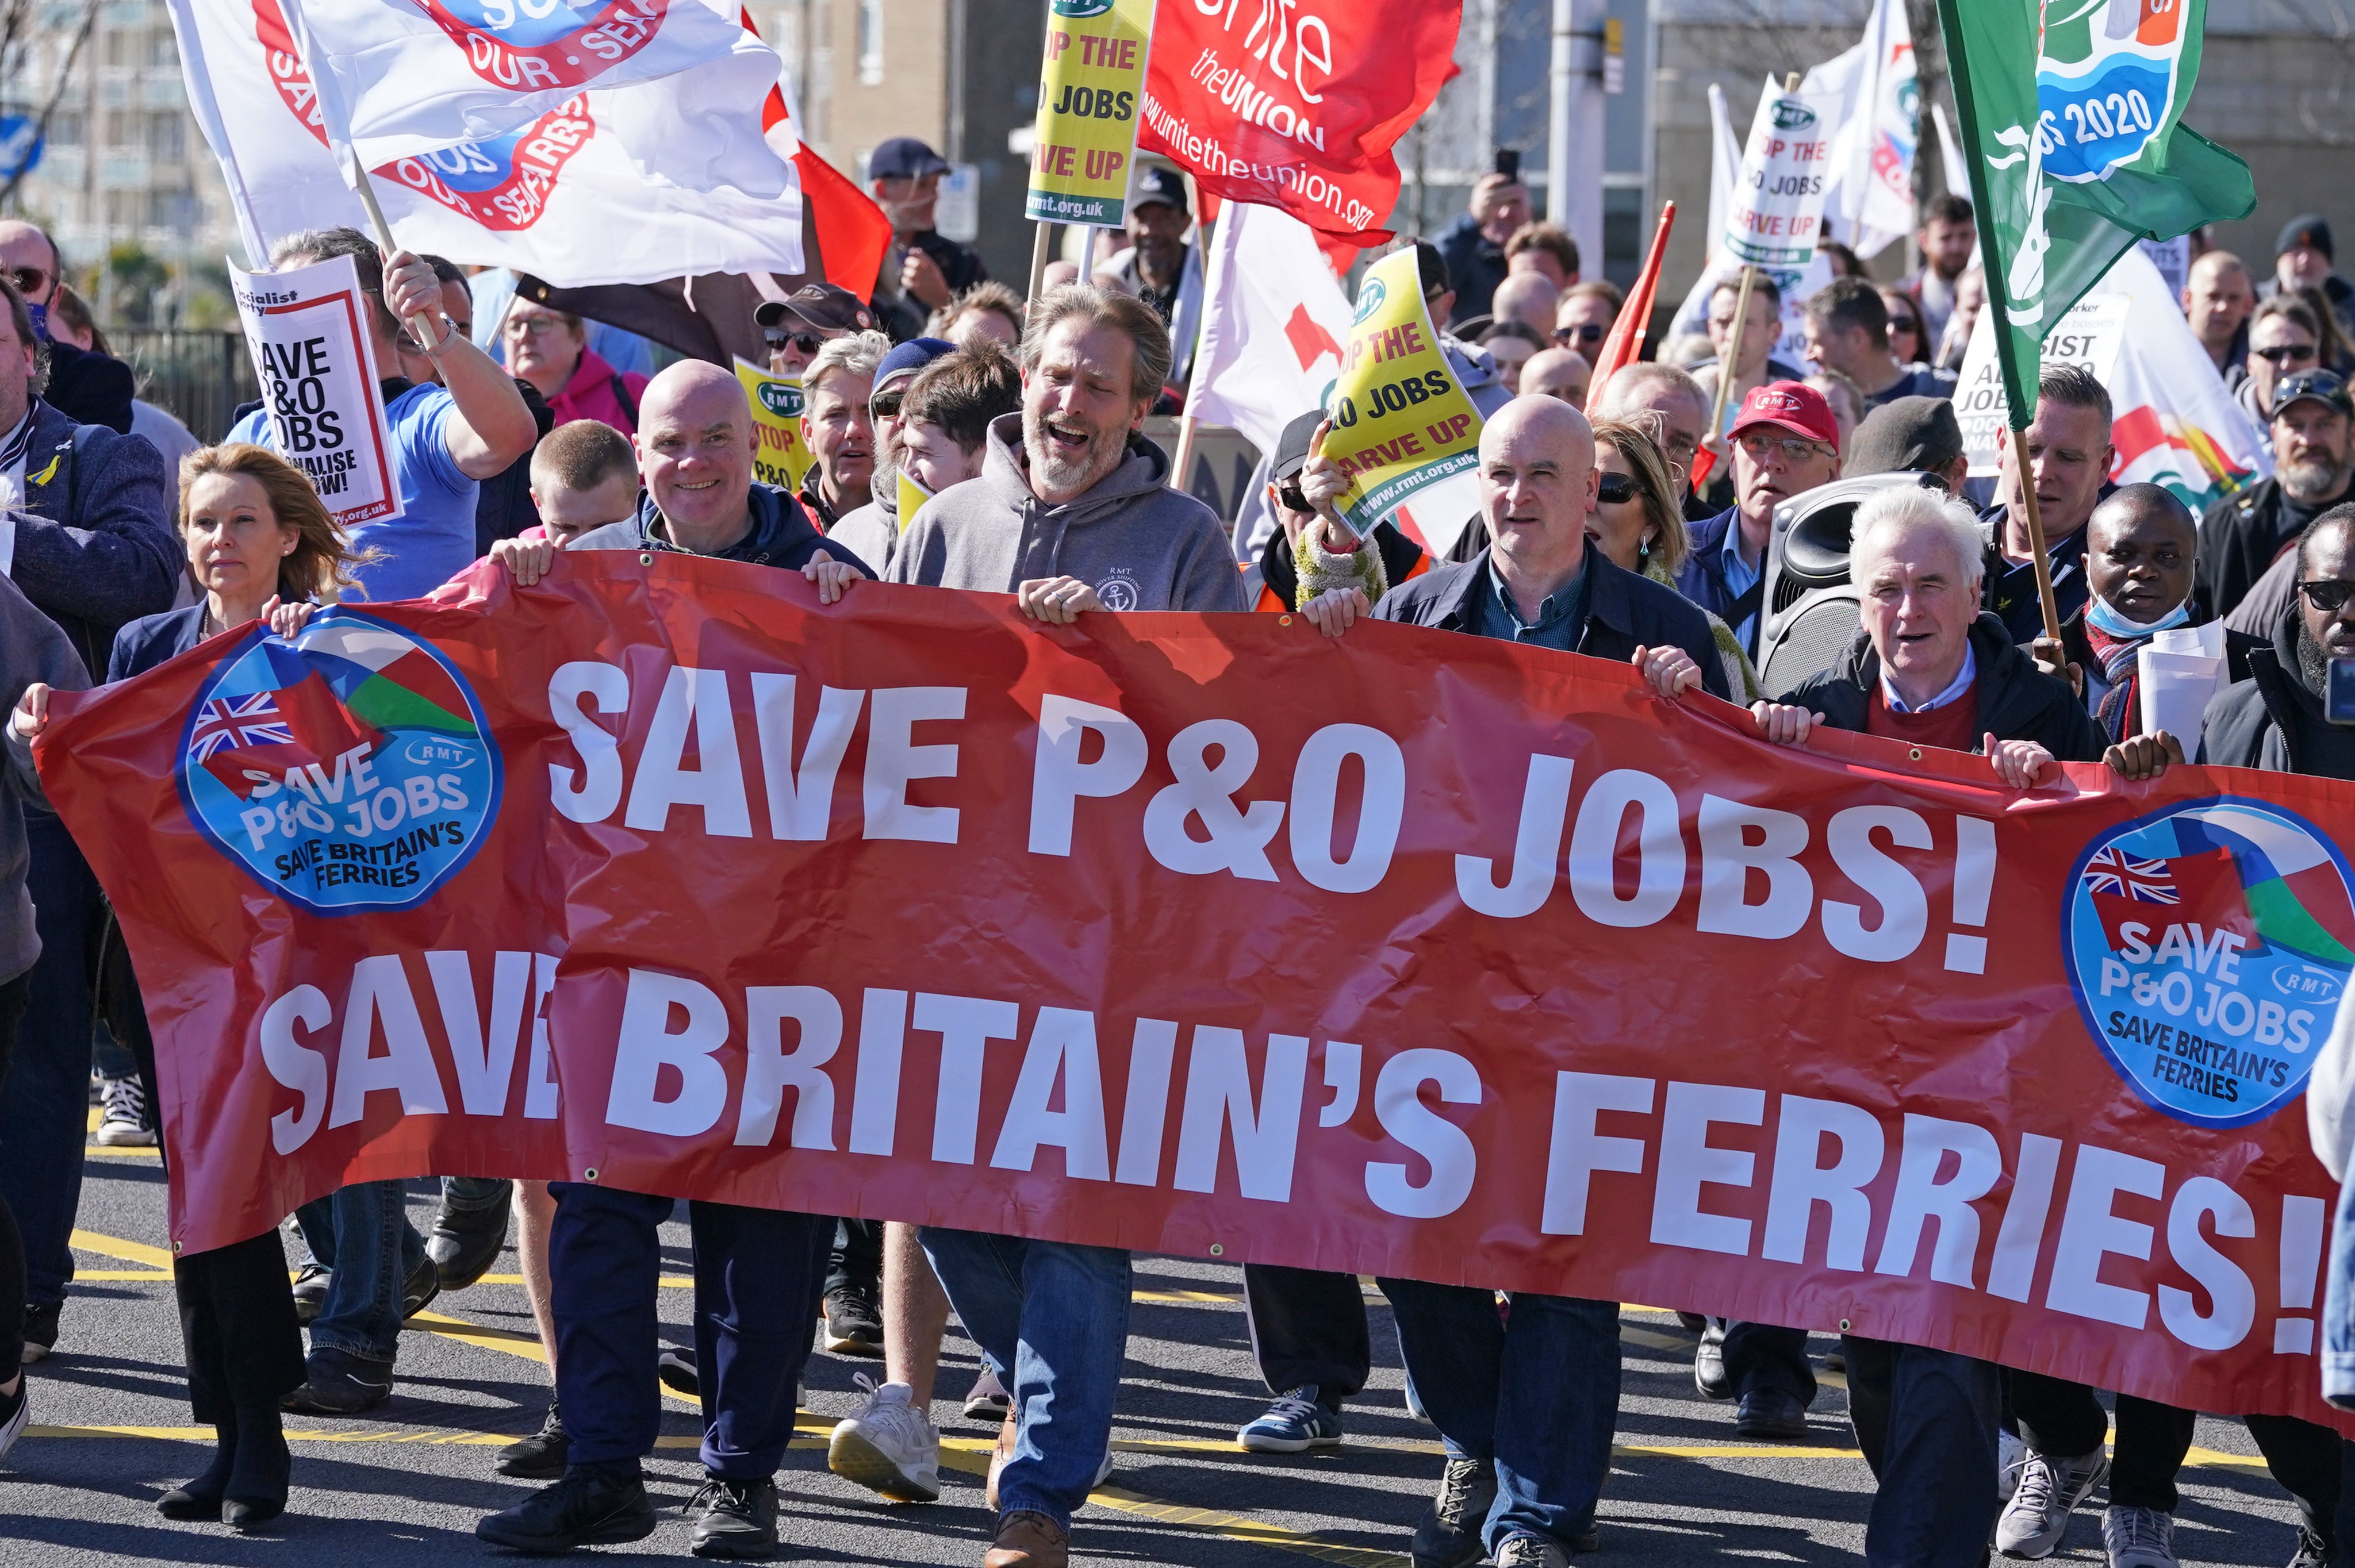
[{"x": 2141, "y": 548}]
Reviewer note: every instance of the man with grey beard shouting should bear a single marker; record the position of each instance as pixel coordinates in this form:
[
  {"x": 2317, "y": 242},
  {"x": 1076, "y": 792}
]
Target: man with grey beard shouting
[
  {"x": 2313, "y": 453},
  {"x": 1073, "y": 512}
]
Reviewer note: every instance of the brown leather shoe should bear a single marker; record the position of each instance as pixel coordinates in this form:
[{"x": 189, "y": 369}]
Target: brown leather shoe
[
  {"x": 1029, "y": 1540},
  {"x": 998, "y": 1456}
]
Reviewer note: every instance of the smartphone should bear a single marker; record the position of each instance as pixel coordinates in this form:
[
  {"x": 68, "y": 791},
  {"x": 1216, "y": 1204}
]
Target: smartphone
[
  {"x": 2339, "y": 703},
  {"x": 1508, "y": 162}
]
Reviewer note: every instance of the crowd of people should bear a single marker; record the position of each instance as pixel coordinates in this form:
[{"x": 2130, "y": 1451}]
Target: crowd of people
[{"x": 1018, "y": 425}]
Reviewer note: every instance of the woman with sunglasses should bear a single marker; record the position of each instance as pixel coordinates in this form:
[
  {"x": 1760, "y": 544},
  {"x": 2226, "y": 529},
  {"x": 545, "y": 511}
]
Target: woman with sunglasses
[
  {"x": 1905, "y": 328},
  {"x": 1637, "y": 524}
]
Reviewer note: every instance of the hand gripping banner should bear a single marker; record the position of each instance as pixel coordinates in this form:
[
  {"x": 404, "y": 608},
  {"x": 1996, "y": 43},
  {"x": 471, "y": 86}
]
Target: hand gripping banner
[{"x": 1409, "y": 953}]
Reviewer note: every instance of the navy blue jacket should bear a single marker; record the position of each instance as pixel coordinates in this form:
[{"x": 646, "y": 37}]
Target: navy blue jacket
[
  {"x": 1476, "y": 265},
  {"x": 781, "y": 534},
  {"x": 2015, "y": 700},
  {"x": 95, "y": 546},
  {"x": 1702, "y": 576},
  {"x": 153, "y": 638},
  {"x": 89, "y": 388},
  {"x": 1624, "y": 612}
]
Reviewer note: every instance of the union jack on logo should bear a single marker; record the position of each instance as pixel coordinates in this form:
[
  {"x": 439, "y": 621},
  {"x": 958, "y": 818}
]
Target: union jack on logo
[
  {"x": 226, "y": 722},
  {"x": 2115, "y": 872}
]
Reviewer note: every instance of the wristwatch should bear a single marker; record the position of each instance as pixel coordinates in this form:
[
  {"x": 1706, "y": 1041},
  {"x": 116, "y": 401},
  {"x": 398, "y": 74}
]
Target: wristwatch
[{"x": 441, "y": 348}]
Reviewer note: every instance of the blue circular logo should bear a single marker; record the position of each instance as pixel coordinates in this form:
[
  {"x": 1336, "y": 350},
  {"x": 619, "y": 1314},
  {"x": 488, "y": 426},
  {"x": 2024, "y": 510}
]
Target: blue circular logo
[
  {"x": 2207, "y": 946},
  {"x": 350, "y": 771},
  {"x": 526, "y": 23},
  {"x": 475, "y": 167}
]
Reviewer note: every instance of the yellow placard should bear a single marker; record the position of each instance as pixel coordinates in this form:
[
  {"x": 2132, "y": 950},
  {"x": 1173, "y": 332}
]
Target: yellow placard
[
  {"x": 1090, "y": 87},
  {"x": 1400, "y": 420},
  {"x": 912, "y": 495},
  {"x": 780, "y": 459}
]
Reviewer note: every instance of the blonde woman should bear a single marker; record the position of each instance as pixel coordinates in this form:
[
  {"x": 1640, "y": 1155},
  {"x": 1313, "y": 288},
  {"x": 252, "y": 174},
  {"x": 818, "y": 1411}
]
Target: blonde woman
[{"x": 1637, "y": 524}]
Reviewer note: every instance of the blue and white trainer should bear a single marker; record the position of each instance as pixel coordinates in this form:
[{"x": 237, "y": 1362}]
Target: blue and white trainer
[{"x": 1297, "y": 1421}]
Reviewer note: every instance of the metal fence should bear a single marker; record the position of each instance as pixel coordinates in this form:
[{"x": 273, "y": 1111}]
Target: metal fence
[{"x": 198, "y": 376}]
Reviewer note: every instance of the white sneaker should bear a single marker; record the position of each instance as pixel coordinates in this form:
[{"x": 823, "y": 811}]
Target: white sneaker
[
  {"x": 122, "y": 1118},
  {"x": 12, "y": 1424},
  {"x": 2038, "y": 1515},
  {"x": 888, "y": 1446},
  {"x": 2010, "y": 1453},
  {"x": 2139, "y": 1537}
]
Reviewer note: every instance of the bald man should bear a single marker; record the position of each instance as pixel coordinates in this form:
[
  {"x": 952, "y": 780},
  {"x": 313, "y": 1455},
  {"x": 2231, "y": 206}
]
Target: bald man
[
  {"x": 759, "y": 1273},
  {"x": 1561, "y": 373},
  {"x": 1527, "y": 297},
  {"x": 1528, "y": 1416},
  {"x": 2217, "y": 299}
]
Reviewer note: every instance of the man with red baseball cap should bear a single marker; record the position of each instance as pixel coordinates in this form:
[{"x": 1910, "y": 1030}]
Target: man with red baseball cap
[{"x": 1786, "y": 443}]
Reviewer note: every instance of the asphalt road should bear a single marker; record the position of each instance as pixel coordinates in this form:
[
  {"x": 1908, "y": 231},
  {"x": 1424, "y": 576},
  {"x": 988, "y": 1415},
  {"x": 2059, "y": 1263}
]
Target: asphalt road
[{"x": 405, "y": 1486}]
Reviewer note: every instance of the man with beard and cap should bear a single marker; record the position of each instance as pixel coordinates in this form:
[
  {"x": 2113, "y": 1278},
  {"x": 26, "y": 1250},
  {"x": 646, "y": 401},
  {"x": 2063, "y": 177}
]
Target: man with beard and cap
[
  {"x": 872, "y": 531},
  {"x": 1073, "y": 512},
  {"x": 1786, "y": 443},
  {"x": 2069, "y": 459},
  {"x": 924, "y": 269},
  {"x": 2244, "y": 538},
  {"x": 1159, "y": 267}
]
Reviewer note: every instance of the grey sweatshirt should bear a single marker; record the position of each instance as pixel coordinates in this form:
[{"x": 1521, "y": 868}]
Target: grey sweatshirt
[
  {"x": 1139, "y": 544},
  {"x": 31, "y": 649}
]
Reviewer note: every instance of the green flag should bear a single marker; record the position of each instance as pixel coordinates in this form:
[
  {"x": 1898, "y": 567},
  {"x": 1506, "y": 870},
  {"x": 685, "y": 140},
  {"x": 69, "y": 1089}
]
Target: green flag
[{"x": 2071, "y": 113}]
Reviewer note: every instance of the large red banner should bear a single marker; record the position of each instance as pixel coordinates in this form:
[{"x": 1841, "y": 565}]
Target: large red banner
[
  {"x": 1411, "y": 953},
  {"x": 1296, "y": 108}
]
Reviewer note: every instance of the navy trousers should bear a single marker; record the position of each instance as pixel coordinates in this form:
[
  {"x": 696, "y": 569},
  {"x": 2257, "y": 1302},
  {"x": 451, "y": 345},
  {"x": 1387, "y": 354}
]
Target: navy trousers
[{"x": 759, "y": 1279}]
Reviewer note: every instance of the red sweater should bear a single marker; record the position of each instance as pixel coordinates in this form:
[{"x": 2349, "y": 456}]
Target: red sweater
[{"x": 1954, "y": 726}]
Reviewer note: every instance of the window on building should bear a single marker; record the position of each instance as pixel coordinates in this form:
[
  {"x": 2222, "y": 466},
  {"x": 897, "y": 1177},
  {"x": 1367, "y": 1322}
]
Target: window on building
[
  {"x": 125, "y": 129},
  {"x": 65, "y": 129},
  {"x": 166, "y": 137},
  {"x": 870, "y": 42}
]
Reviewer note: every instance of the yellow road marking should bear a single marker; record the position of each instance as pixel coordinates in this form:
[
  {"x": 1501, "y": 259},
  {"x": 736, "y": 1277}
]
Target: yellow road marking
[
  {"x": 115, "y": 1246},
  {"x": 132, "y": 1150}
]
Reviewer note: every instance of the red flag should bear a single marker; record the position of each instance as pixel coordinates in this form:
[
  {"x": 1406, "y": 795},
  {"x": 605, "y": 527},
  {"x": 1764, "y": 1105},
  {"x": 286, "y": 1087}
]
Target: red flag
[
  {"x": 1302, "y": 118},
  {"x": 1625, "y": 343},
  {"x": 852, "y": 232}
]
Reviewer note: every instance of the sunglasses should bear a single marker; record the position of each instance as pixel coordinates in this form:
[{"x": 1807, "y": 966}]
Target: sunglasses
[
  {"x": 886, "y": 405},
  {"x": 2329, "y": 595},
  {"x": 1288, "y": 496},
  {"x": 1617, "y": 488},
  {"x": 30, "y": 280},
  {"x": 2288, "y": 353},
  {"x": 1590, "y": 332},
  {"x": 1904, "y": 324},
  {"x": 809, "y": 342}
]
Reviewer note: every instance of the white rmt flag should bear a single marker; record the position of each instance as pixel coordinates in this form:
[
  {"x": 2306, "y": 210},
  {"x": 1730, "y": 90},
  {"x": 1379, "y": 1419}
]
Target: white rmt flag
[
  {"x": 557, "y": 198},
  {"x": 1273, "y": 320},
  {"x": 1868, "y": 200},
  {"x": 397, "y": 78}
]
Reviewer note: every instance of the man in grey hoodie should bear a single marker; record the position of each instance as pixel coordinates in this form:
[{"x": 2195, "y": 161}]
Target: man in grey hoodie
[{"x": 1073, "y": 512}]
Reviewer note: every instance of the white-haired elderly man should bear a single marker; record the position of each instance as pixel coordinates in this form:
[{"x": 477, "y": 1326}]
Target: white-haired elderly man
[{"x": 1931, "y": 668}]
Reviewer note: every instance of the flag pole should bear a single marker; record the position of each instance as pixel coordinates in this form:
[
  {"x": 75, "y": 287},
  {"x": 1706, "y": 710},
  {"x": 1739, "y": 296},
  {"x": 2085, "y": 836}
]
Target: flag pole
[
  {"x": 2019, "y": 396},
  {"x": 1038, "y": 261},
  {"x": 1728, "y": 362},
  {"x": 421, "y": 325}
]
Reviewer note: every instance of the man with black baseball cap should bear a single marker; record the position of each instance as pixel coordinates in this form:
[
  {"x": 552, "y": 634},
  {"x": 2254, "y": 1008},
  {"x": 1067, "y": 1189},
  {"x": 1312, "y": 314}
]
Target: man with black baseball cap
[
  {"x": 1909, "y": 435},
  {"x": 2302, "y": 257},
  {"x": 923, "y": 269},
  {"x": 1296, "y": 544},
  {"x": 806, "y": 320},
  {"x": 1159, "y": 267},
  {"x": 2314, "y": 470}
]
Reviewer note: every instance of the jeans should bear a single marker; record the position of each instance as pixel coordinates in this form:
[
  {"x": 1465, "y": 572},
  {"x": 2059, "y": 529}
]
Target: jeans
[
  {"x": 2339, "y": 1304},
  {"x": 757, "y": 1273},
  {"x": 1535, "y": 1391},
  {"x": 2064, "y": 1420},
  {"x": 1763, "y": 1355},
  {"x": 362, "y": 1233},
  {"x": 1926, "y": 1422},
  {"x": 44, "y": 1105},
  {"x": 1051, "y": 1319},
  {"x": 1307, "y": 1327}
]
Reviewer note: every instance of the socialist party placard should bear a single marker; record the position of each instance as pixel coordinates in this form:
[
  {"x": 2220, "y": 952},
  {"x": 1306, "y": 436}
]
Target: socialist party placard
[
  {"x": 1402, "y": 422},
  {"x": 1089, "y": 87},
  {"x": 307, "y": 329}
]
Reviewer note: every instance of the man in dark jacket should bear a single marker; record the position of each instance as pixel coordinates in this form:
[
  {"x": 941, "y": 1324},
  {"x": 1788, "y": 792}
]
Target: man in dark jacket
[
  {"x": 2314, "y": 458},
  {"x": 2069, "y": 464},
  {"x": 1929, "y": 668},
  {"x": 1786, "y": 443},
  {"x": 1474, "y": 245},
  {"x": 758, "y": 1271},
  {"x": 88, "y": 386},
  {"x": 92, "y": 546},
  {"x": 1547, "y": 1447},
  {"x": 924, "y": 268}
]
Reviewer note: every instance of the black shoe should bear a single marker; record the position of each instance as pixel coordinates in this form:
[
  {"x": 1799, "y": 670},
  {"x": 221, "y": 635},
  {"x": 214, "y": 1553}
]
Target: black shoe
[
  {"x": 542, "y": 1456},
  {"x": 676, "y": 1369},
  {"x": 735, "y": 1519},
  {"x": 340, "y": 1384},
  {"x": 201, "y": 1498},
  {"x": 587, "y": 1508},
  {"x": 1449, "y": 1535},
  {"x": 310, "y": 1284},
  {"x": 40, "y": 1329},
  {"x": 257, "y": 1486},
  {"x": 853, "y": 1326},
  {"x": 423, "y": 1284},
  {"x": 987, "y": 1403},
  {"x": 1708, "y": 1361},
  {"x": 464, "y": 1243},
  {"x": 1771, "y": 1413},
  {"x": 2312, "y": 1550}
]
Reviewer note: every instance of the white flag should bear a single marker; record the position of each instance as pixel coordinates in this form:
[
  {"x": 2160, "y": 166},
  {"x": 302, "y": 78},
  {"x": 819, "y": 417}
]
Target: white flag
[
  {"x": 557, "y": 198},
  {"x": 397, "y": 78},
  {"x": 1273, "y": 321},
  {"x": 1724, "y": 165},
  {"x": 2173, "y": 424},
  {"x": 1868, "y": 200}
]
